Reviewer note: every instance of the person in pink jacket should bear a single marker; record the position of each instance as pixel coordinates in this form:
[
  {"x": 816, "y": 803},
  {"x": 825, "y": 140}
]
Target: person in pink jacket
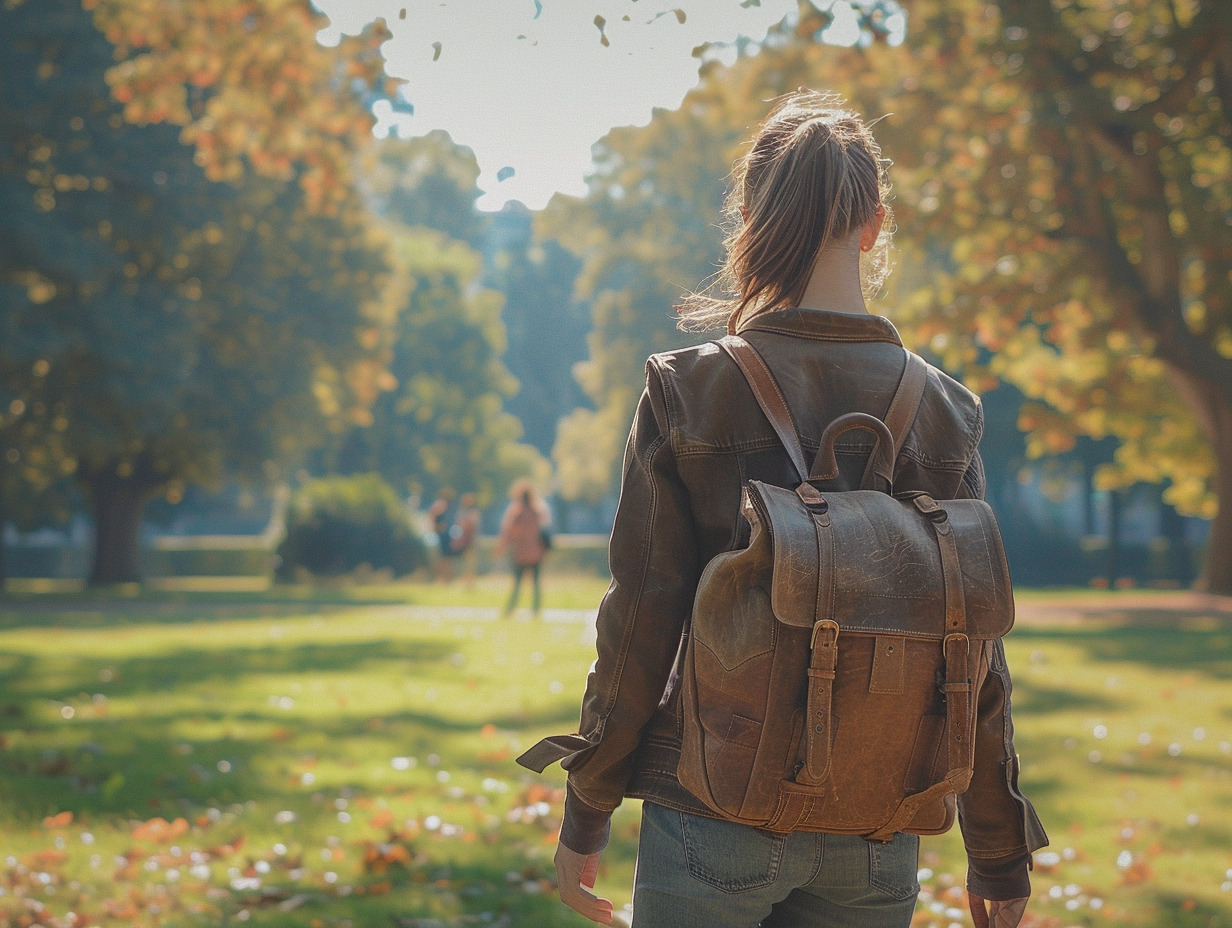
[{"x": 524, "y": 535}]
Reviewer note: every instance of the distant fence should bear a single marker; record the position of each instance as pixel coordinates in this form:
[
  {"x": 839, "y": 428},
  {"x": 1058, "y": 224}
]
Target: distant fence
[
  {"x": 253, "y": 556},
  {"x": 1067, "y": 562}
]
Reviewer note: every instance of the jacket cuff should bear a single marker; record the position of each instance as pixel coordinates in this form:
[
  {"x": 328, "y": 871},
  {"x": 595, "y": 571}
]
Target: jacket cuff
[
  {"x": 585, "y": 830},
  {"x": 1000, "y": 878}
]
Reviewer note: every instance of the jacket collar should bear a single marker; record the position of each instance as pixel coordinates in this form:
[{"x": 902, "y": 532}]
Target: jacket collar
[{"x": 824, "y": 324}]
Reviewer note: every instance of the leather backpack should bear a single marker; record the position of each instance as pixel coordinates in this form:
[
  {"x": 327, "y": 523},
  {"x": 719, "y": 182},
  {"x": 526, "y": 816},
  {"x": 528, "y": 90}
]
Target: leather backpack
[{"x": 831, "y": 667}]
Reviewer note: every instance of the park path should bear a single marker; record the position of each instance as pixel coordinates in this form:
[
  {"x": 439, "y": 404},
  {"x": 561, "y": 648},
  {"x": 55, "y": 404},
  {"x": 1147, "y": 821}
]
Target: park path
[
  {"x": 1082, "y": 607},
  {"x": 1148, "y": 607}
]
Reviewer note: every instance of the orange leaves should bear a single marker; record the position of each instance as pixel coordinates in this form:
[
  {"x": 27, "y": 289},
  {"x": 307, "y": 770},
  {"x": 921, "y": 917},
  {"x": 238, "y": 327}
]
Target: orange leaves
[
  {"x": 59, "y": 820},
  {"x": 271, "y": 83},
  {"x": 378, "y": 858},
  {"x": 159, "y": 830}
]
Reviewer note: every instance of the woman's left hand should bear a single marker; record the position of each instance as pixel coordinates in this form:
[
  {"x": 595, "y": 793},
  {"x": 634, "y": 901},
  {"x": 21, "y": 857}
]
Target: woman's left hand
[
  {"x": 996, "y": 914},
  {"x": 575, "y": 878}
]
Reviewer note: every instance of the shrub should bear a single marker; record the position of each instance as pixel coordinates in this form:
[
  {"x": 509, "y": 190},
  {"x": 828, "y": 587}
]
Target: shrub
[{"x": 336, "y": 525}]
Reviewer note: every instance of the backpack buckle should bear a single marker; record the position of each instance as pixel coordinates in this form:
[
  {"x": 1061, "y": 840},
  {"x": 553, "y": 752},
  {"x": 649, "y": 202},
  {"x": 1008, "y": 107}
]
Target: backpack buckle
[
  {"x": 812, "y": 498},
  {"x": 829, "y": 626},
  {"x": 928, "y": 508},
  {"x": 956, "y": 638}
]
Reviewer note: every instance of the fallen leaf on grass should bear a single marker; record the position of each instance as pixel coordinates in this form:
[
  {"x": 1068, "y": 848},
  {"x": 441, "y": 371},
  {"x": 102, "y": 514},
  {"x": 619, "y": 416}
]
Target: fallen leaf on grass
[{"x": 159, "y": 830}]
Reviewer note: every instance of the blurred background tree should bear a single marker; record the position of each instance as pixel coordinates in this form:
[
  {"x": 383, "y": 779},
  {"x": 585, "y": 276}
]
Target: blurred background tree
[
  {"x": 444, "y": 423},
  {"x": 160, "y": 326},
  {"x": 209, "y": 268},
  {"x": 1063, "y": 179},
  {"x": 1059, "y": 225}
]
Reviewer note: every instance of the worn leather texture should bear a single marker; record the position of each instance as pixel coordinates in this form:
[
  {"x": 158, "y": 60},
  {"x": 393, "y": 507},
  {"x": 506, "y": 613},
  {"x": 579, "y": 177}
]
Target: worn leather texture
[
  {"x": 698, "y": 437},
  {"x": 760, "y": 745}
]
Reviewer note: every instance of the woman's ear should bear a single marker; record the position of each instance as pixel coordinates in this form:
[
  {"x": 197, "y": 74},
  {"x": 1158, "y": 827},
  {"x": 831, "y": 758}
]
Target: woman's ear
[{"x": 872, "y": 229}]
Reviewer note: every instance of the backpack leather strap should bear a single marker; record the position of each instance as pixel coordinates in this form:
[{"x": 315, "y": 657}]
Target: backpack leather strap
[
  {"x": 818, "y": 723},
  {"x": 898, "y": 419},
  {"x": 769, "y": 397},
  {"x": 956, "y": 648},
  {"x": 903, "y": 409}
]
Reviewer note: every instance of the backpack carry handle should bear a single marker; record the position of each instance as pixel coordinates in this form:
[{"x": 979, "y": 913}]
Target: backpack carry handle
[
  {"x": 890, "y": 434},
  {"x": 881, "y": 458}
]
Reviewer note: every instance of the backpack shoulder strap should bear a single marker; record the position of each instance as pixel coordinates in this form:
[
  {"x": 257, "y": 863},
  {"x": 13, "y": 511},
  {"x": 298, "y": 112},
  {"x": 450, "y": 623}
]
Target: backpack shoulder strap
[
  {"x": 903, "y": 408},
  {"x": 898, "y": 419},
  {"x": 769, "y": 397}
]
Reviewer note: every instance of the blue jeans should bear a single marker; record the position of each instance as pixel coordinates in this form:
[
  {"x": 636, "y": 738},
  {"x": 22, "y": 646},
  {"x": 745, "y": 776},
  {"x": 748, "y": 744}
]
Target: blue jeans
[
  {"x": 518, "y": 571},
  {"x": 695, "y": 872}
]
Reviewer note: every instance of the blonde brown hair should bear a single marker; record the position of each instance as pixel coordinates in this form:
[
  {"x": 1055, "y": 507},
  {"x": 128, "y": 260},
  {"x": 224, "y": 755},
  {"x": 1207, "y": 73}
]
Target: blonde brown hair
[{"x": 813, "y": 175}]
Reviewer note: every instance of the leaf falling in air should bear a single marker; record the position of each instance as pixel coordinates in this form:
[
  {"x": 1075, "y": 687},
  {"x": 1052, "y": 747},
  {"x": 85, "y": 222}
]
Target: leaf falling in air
[
  {"x": 505, "y": 173},
  {"x": 601, "y": 23},
  {"x": 402, "y": 13},
  {"x": 436, "y": 51},
  {"x": 538, "y": 9}
]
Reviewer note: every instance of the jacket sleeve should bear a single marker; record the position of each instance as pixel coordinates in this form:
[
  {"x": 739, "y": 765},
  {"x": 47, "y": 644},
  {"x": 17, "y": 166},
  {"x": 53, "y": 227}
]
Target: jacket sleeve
[
  {"x": 653, "y": 560},
  {"x": 999, "y": 825}
]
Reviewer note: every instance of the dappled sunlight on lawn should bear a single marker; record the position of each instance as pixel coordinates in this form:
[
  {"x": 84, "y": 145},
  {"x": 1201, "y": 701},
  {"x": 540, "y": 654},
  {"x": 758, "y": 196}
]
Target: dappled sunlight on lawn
[{"x": 353, "y": 764}]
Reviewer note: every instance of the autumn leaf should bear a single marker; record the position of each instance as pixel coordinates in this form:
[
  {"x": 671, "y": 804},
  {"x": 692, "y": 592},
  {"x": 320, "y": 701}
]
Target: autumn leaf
[{"x": 59, "y": 820}]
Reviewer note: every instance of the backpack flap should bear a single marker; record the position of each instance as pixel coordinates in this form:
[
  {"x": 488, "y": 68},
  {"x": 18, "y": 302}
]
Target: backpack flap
[{"x": 872, "y": 562}]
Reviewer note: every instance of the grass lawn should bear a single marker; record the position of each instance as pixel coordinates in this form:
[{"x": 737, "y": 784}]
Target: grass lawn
[{"x": 345, "y": 758}]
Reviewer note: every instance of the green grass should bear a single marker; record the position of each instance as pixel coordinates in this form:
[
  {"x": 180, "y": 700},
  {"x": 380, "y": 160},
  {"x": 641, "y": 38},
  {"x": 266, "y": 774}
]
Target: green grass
[{"x": 331, "y": 758}]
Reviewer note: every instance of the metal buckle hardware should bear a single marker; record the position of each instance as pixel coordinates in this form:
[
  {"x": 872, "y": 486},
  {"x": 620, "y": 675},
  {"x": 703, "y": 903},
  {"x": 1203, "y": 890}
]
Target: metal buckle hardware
[{"x": 829, "y": 625}]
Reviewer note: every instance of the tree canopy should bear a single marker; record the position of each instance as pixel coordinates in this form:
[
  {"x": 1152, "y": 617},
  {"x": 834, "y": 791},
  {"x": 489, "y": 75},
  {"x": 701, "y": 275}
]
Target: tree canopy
[
  {"x": 163, "y": 326},
  {"x": 1060, "y": 175}
]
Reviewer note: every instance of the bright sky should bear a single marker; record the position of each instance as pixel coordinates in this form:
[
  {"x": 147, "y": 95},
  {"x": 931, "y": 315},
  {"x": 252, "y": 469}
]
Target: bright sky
[{"x": 528, "y": 85}]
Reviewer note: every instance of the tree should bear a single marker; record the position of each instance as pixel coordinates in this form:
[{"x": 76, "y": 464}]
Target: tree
[
  {"x": 1135, "y": 110},
  {"x": 442, "y": 423},
  {"x": 1063, "y": 172},
  {"x": 162, "y": 327},
  {"x": 645, "y": 232},
  {"x": 250, "y": 85},
  {"x": 546, "y": 325},
  {"x": 449, "y": 421},
  {"x": 1062, "y": 179},
  {"x": 428, "y": 181}
]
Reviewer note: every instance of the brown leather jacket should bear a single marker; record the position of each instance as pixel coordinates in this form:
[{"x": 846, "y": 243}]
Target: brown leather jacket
[{"x": 697, "y": 437}]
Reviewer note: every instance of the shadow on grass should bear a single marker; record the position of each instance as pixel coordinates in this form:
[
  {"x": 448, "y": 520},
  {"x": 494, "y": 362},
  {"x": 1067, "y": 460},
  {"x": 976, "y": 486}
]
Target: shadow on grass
[
  {"x": 208, "y": 749},
  {"x": 1173, "y": 647},
  {"x": 122, "y": 768},
  {"x": 222, "y": 666},
  {"x": 89, "y": 614},
  {"x": 449, "y": 894},
  {"x": 1176, "y": 911},
  {"x": 1042, "y": 699}
]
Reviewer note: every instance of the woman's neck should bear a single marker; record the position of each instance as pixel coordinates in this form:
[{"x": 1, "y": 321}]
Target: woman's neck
[{"x": 835, "y": 283}]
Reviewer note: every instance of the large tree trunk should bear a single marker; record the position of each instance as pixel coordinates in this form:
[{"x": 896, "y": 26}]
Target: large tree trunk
[
  {"x": 1212, "y": 402},
  {"x": 1217, "y": 576},
  {"x": 117, "y": 498}
]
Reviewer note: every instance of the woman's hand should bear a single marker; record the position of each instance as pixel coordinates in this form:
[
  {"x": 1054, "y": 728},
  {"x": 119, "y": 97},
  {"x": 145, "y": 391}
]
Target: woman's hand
[
  {"x": 575, "y": 878},
  {"x": 1006, "y": 913}
]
